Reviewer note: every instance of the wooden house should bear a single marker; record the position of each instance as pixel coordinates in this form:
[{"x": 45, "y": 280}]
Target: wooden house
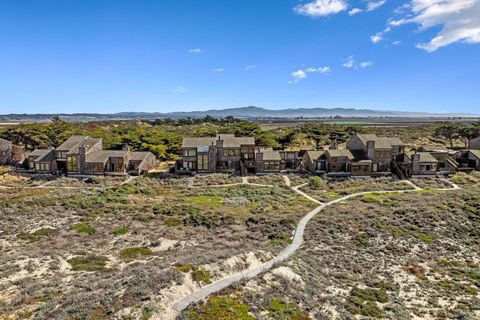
[
  {"x": 268, "y": 161},
  {"x": 223, "y": 153},
  {"x": 83, "y": 155},
  {"x": 381, "y": 151}
]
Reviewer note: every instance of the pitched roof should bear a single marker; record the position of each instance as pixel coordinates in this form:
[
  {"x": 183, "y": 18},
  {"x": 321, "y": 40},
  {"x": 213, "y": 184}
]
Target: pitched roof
[
  {"x": 476, "y": 153},
  {"x": 426, "y": 157},
  {"x": 315, "y": 154},
  {"x": 340, "y": 153},
  {"x": 43, "y": 155},
  {"x": 380, "y": 142},
  {"x": 71, "y": 143},
  {"x": 270, "y": 155},
  {"x": 140, "y": 155},
  {"x": 5, "y": 141},
  {"x": 87, "y": 142},
  {"x": 102, "y": 156},
  {"x": 229, "y": 141}
]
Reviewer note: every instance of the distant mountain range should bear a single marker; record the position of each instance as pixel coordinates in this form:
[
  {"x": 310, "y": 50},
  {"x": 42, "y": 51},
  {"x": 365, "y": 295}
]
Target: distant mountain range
[{"x": 245, "y": 113}]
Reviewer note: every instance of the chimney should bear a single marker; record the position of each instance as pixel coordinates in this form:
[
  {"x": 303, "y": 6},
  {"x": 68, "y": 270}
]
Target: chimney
[
  {"x": 82, "y": 157},
  {"x": 371, "y": 150}
]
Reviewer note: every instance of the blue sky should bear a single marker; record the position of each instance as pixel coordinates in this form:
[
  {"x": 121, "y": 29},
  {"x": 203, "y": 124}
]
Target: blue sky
[{"x": 169, "y": 55}]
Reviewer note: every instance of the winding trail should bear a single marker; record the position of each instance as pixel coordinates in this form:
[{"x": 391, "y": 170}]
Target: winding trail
[{"x": 288, "y": 251}]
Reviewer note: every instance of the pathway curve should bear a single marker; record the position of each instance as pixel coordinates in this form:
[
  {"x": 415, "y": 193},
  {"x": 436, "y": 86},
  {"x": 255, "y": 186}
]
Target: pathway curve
[
  {"x": 287, "y": 180},
  {"x": 286, "y": 253}
]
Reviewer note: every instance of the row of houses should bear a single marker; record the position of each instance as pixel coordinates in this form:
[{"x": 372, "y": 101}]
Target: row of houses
[
  {"x": 364, "y": 155},
  {"x": 80, "y": 155}
]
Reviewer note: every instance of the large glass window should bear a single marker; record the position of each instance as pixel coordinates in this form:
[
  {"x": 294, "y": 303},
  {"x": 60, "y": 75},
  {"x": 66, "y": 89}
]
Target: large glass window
[
  {"x": 202, "y": 162},
  {"x": 72, "y": 164},
  {"x": 190, "y": 153}
]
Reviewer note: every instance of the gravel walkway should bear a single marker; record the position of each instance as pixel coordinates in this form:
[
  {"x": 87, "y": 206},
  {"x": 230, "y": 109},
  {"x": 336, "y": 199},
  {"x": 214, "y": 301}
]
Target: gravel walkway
[{"x": 285, "y": 254}]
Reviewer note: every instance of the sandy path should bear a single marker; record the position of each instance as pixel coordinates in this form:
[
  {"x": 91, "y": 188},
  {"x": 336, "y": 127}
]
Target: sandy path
[{"x": 286, "y": 253}]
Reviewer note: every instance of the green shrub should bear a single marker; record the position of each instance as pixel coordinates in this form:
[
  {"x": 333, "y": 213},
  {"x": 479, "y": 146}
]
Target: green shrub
[
  {"x": 135, "y": 253},
  {"x": 173, "y": 222},
  {"x": 221, "y": 308},
  {"x": 201, "y": 275},
  {"x": 120, "y": 231},
  {"x": 315, "y": 182},
  {"x": 88, "y": 263},
  {"x": 37, "y": 235},
  {"x": 84, "y": 228},
  {"x": 281, "y": 309}
]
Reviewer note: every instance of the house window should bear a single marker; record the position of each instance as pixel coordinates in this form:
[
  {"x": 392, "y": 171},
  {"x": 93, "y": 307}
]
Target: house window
[
  {"x": 190, "y": 165},
  {"x": 31, "y": 164},
  {"x": 61, "y": 154},
  {"x": 42, "y": 166},
  {"x": 190, "y": 153},
  {"x": 231, "y": 152},
  {"x": 290, "y": 156},
  {"x": 202, "y": 162},
  {"x": 72, "y": 164},
  {"x": 428, "y": 167},
  {"x": 271, "y": 165}
]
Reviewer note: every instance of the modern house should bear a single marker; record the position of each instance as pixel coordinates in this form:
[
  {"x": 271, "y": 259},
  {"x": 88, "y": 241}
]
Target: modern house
[
  {"x": 82, "y": 155},
  {"x": 467, "y": 160},
  {"x": 339, "y": 161},
  {"x": 268, "y": 161},
  {"x": 315, "y": 162},
  {"x": 222, "y": 153},
  {"x": 10, "y": 154},
  {"x": 381, "y": 151}
]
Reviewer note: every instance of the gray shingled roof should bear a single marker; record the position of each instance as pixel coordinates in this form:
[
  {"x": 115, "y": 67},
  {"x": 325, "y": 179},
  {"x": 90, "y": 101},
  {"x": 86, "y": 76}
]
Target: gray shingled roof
[
  {"x": 102, "y": 156},
  {"x": 229, "y": 141},
  {"x": 476, "y": 153},
  {"x": 315, "y": 154},
  {"x": 426, "y": 157},
  {"x": 87, "y": 142},
  {"x": 71, "y": 143},
  {"x": 198, "y": 142},
  {"x": 340, "y": 153},
  {"x": 140, "y": 155},
  {"x": 380, "y": 142},
  {"x": 46, "y": 156},
  {"x": 270, "y": 155}
]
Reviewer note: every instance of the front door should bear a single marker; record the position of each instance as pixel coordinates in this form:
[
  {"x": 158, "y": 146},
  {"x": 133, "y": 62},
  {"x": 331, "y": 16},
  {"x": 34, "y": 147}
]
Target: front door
[{"x": 375, "y": 167}]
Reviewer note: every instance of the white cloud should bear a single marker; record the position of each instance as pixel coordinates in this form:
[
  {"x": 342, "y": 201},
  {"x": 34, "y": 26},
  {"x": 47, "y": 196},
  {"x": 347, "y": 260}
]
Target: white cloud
[
  {"x": 218, "y": 70},
  {"x": 321, "y": 8},
  {"x": 376, "y": 38},
  {"x": 396, "y": 43},
  {"x": 366, "y": 64},
  {"x": 459, "y": 21},
  {"x": 180, "y": 89},
  {"x": 318, "y": 70},
  {"x": 250, "y": 67},
  {"x": 374, "y": 5},
  {"x": 354, "y": 11},
  {"x": 195, "y": 51},
  {"x": 298, "y": 75},
  {"x": 349, "y": 62},
  {"x": 302, "y": 73}
]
